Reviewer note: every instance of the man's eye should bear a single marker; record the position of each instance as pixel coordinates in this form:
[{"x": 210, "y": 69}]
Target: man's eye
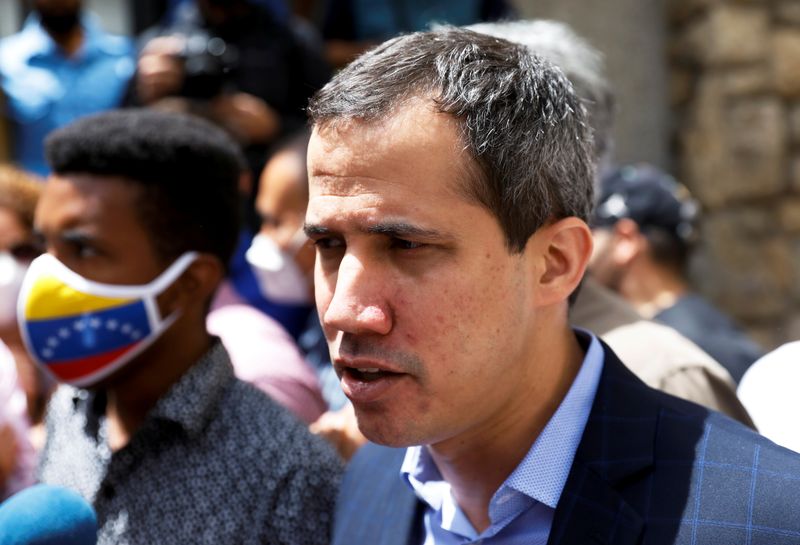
[
  {"x": 402, "y": 244},
  {"x": 84, "y": 251},
  {"x": 328, "y": 243}
]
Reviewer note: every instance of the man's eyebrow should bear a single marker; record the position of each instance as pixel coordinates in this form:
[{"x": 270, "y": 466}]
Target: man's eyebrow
[
  {"x": 404, "y": 230},
  {"x": 68, "y": 235},
  {"x": 311, "y": 229},
  {"x": 389, "y": 229},
  {"x": 76, "y": 236}
]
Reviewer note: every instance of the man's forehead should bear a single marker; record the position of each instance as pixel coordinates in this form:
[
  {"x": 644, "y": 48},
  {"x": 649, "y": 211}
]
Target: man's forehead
[
  {"x": 413, "y": 120},
  {"x": 415, "y": 141},
  {"x": 85, "y": 197}
]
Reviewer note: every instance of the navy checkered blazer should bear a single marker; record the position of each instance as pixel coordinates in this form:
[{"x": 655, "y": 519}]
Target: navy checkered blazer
[{"x": 650, "y": 469}]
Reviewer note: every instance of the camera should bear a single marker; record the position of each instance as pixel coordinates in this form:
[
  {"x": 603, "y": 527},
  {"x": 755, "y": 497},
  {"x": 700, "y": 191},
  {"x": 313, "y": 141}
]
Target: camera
[{"x": 209, "y": 62}]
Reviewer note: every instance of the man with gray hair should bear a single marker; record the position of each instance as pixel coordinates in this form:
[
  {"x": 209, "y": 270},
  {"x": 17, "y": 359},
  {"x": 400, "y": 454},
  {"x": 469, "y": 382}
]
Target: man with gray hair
[
  {"x": 450, "y": 177},
  {"x": 580, "y": 62},
  {"x": 656, "y": 353}
]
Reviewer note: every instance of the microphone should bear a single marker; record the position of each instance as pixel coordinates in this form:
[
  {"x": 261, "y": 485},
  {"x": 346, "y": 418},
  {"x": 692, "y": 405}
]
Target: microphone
[{"x": 47, "y": 515}]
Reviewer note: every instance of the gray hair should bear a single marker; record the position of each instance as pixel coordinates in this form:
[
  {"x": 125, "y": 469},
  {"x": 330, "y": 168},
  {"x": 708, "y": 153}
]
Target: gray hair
[
  {"x": 519, "y": 119},
  {"x": 581, "y": 63}
]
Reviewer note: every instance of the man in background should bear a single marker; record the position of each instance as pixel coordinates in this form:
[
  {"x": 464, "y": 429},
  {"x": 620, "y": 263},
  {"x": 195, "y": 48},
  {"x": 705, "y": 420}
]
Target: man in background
[
  {"x": 657, "y": 354},
  {"x": 151, "y": 427},
  {"x": 61, "y": 66},
  {"x": 644, "y": 227},
  {"x": 24, "y": 388},
  {"x": 276, "y": 275},
  {"x": 236, "y": 64}
]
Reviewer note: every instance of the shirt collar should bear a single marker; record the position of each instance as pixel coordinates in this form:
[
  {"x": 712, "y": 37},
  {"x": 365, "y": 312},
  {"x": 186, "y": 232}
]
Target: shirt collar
[
  {"x": 543, "y": 471},
  {"x": 190, "y": 403}
]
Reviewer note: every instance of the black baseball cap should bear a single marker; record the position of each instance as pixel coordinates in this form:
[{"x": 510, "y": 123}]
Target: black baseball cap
[{"x": 650, "y": 197}]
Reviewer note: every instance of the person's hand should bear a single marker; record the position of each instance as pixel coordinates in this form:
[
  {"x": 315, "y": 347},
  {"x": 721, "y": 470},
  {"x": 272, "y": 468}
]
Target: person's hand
[
  {"x": 340, "y": 428},
  {"x": 159, "y": 71},
  {"x": 8, "y": 453},
  {"x": 247, "y": 117}
]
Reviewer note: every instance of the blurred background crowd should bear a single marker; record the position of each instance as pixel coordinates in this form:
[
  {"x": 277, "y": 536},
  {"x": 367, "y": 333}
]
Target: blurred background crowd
[{"x": 697, "y": 219}]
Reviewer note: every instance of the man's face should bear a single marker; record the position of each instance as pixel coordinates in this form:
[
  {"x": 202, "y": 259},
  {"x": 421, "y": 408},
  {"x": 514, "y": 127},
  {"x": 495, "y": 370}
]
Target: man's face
[
  {"x": 62, "y": 13},
  {"x": 91, "y": 225},
  {"x": 414, "y": 280}
]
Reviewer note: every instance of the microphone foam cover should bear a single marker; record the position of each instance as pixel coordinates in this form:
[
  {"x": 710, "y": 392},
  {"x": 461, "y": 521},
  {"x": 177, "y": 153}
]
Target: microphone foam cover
[{"x": 47, "y": 515}]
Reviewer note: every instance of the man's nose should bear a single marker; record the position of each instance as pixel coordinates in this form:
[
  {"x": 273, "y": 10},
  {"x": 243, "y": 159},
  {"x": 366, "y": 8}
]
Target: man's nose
[{"x": 359, "y": 304}]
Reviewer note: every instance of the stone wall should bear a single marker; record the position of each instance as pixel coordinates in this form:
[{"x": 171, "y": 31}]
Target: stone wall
[
  {"x": 735, "y": 94},
  {"x": 631, "y": 34}
]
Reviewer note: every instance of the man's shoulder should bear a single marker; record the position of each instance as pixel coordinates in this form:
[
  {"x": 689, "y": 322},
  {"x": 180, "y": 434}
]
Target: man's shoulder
[
  {"x": 665, "y": 359},
  {"x": 656, "y": 353},
  {"x": 655, "y": 465},
  {"x": 113, "y": 45},
  {"x": 647, "y": 418},
  {"x": 735, "y": 481},
  {"x": 16, "y": 49},
  {"x": 650, "y": 349},
  {"x": 259, "y": 441},
  {"x": 696, "y": 318},
  {"x": 250, "y": 418}
]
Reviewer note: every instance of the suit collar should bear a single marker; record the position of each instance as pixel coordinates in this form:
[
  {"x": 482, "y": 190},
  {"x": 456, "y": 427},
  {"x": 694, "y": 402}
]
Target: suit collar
[
  {"x": 617, "y": 447},
  {"x": 621, "y": 402}
]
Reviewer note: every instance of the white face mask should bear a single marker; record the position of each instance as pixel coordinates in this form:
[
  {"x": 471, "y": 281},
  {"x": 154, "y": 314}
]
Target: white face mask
[
  {"x": 82, "y": 331},
  {"x": 11, "y": 274},
  {"x": 279, "y": 277}
]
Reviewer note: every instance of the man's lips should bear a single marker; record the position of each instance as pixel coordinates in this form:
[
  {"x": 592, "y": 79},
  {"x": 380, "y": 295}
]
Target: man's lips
[
  {"x": 368, "y": 374},
  {"x": 365, "y": 367},
  {"x": 365, "y": 381}
]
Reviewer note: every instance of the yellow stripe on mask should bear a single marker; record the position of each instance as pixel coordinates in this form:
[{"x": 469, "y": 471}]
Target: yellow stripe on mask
[{"x": 51, "y": 298}]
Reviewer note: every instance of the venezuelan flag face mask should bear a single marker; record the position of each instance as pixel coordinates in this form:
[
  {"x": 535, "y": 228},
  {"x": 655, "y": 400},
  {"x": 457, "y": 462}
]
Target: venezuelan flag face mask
[{"x": 82, "y": 331}]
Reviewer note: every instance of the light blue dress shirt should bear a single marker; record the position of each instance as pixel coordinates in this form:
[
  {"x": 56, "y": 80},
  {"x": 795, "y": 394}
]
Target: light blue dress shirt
[
  {"x": 45, "y": 90},
  {"x": 521, "y": 511}
]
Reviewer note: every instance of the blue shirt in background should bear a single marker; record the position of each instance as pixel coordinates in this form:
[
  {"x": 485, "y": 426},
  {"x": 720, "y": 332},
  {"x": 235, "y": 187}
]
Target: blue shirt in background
[
  {"x": 521, "y": 511},
  {"x": 45, "y": 90}
]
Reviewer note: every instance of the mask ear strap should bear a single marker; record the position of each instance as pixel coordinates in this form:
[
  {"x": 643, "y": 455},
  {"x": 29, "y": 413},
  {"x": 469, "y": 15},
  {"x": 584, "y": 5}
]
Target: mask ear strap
[
  {"x": 160, "y": 284},
  {"x": 172, "y": 273},
  {"x": 154, "y": 315}
]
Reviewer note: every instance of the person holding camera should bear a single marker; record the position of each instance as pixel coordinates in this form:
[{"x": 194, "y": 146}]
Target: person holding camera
[{"x": 232, "y": 62}]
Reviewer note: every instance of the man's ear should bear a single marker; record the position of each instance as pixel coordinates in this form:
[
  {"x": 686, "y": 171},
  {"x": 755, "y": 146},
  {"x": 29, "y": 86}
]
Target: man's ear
[
  {"x": 195, "y": 286},
  {"x": 628, "y": 242},
  {"x": 564, "y": 248}
]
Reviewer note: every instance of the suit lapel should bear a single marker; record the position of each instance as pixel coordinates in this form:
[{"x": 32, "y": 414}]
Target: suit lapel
[
  {"x": 376, "y": 507},
  {"x": 613, "y": 460},
  {"x": 597, "y": 516}
]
